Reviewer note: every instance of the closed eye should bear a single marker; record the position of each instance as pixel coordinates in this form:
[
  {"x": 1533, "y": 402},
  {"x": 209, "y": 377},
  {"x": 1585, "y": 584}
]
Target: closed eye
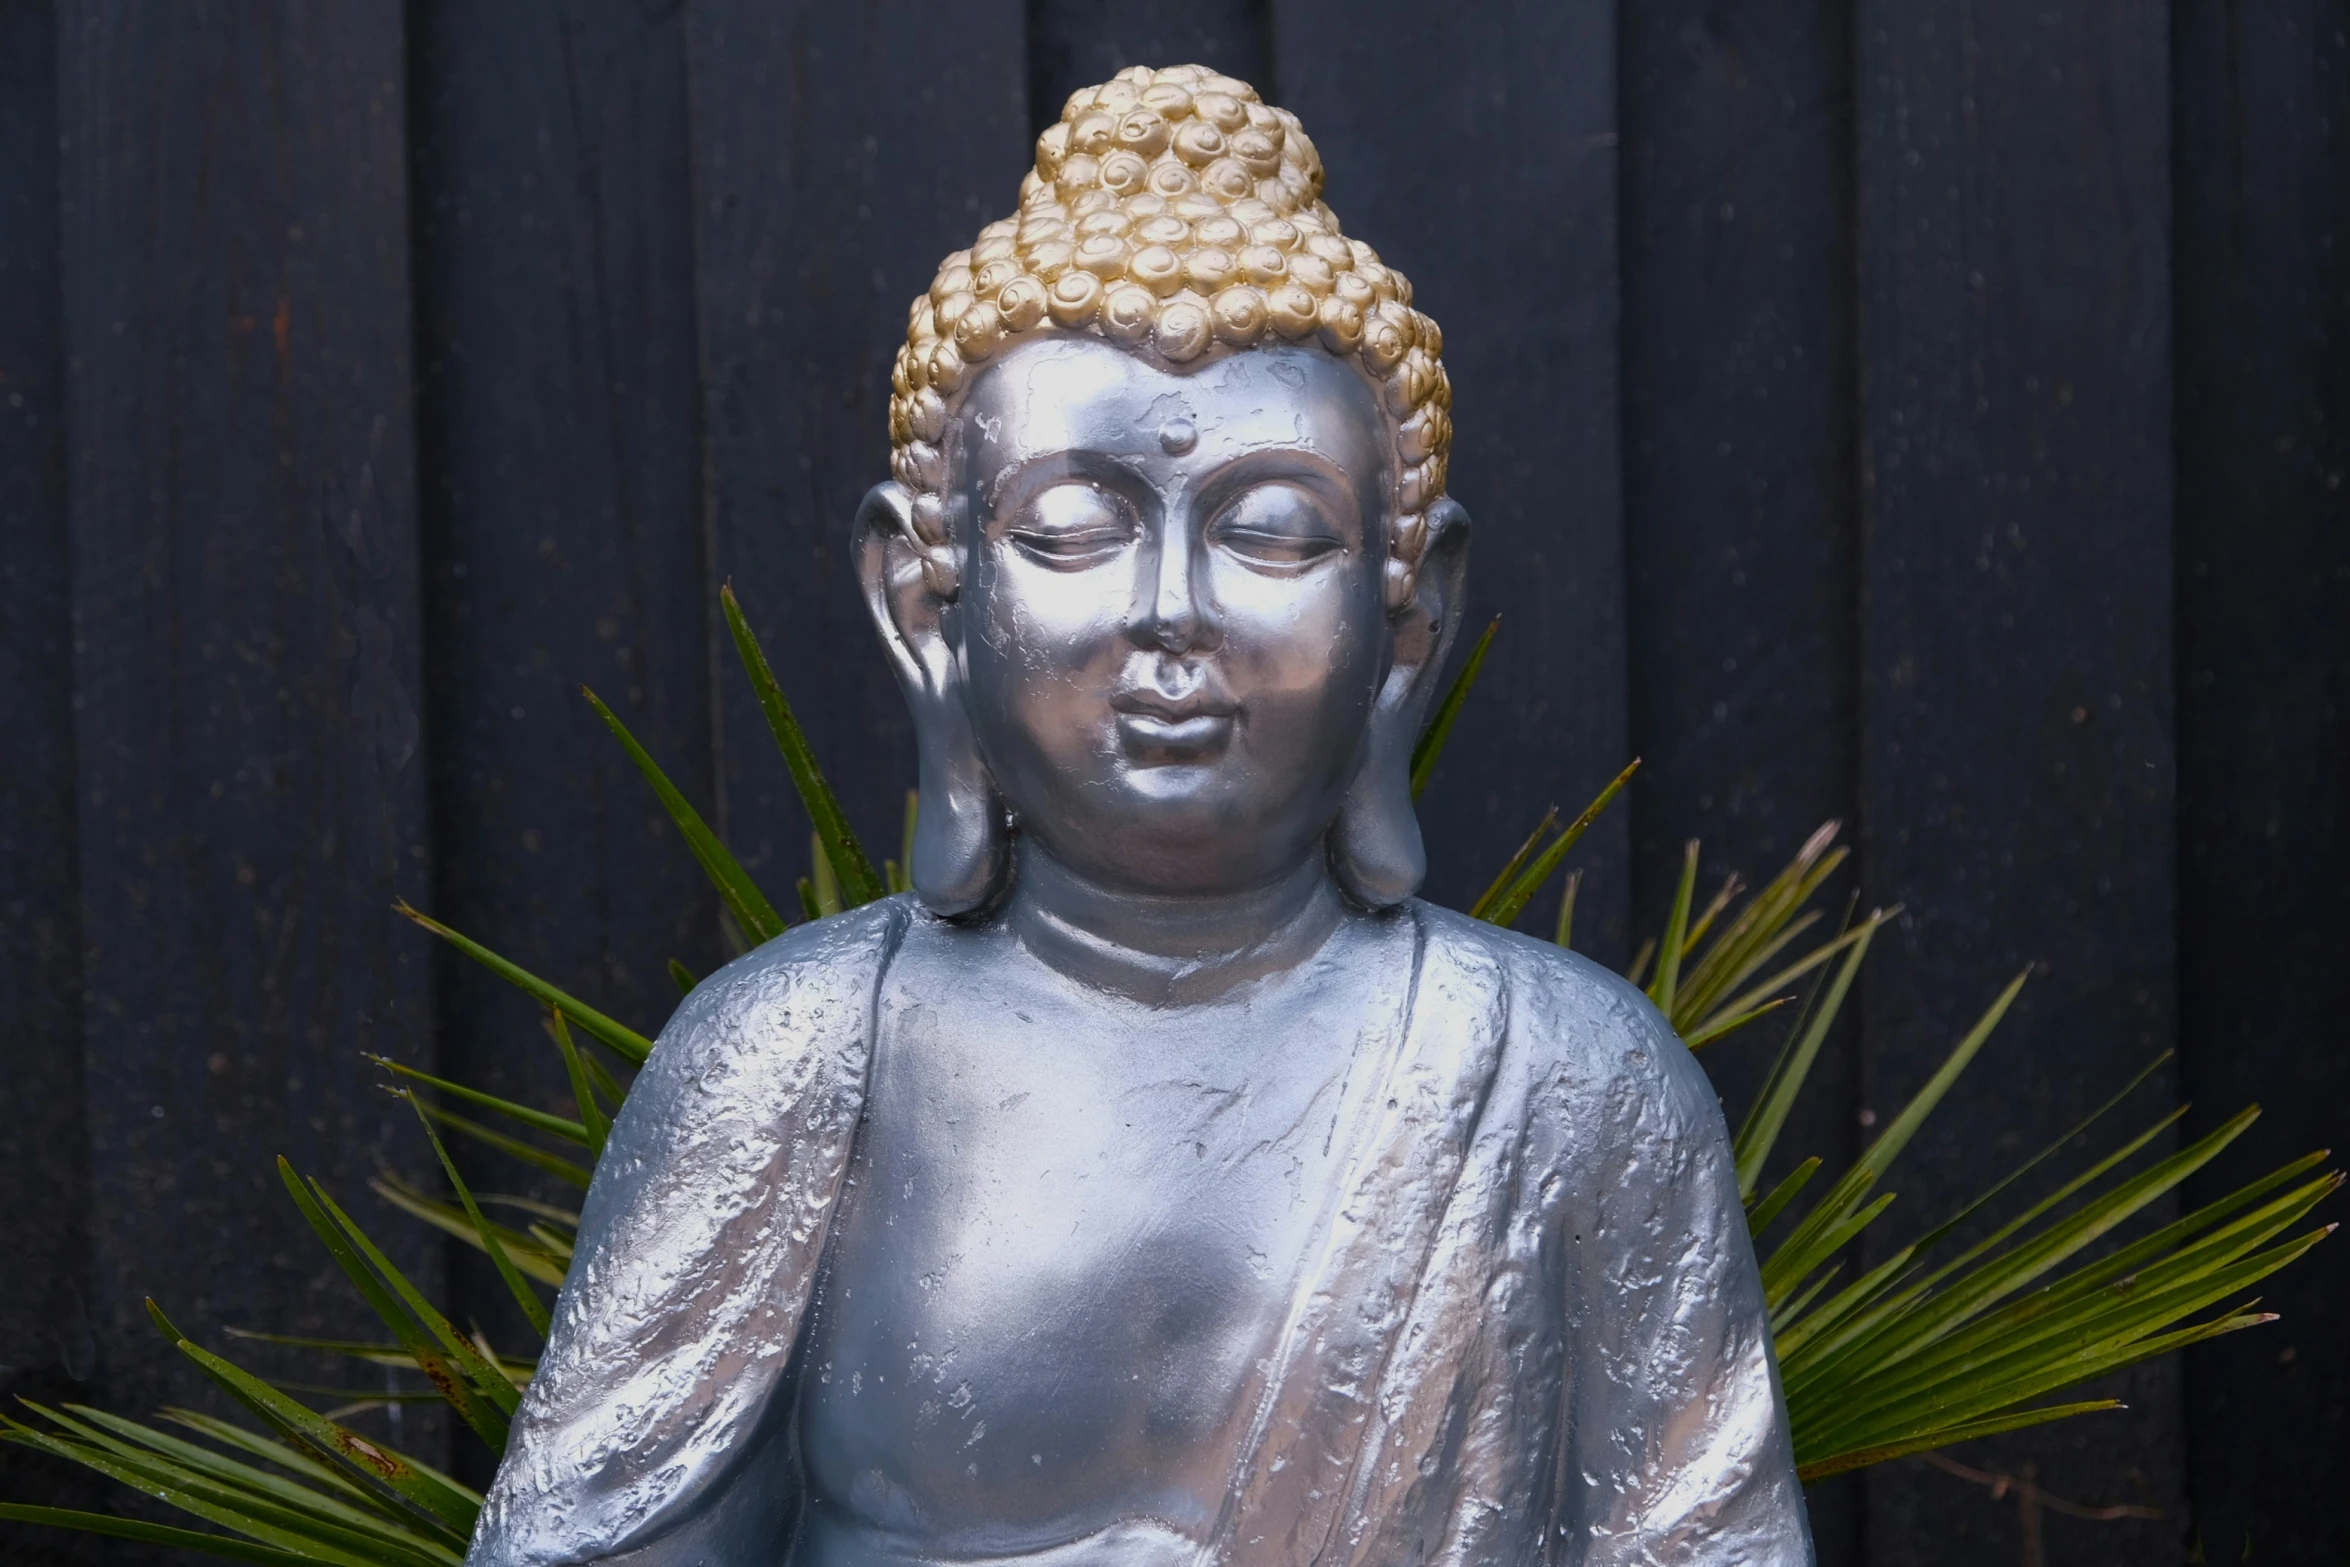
[
  {"x": 1275, "y": 549},
  {"x": 1072, "y": 525},
  {"x": 1276, "y": 528}
]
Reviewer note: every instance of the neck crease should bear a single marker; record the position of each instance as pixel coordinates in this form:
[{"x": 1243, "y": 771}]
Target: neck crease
[{"x": 1169, "y": 951}]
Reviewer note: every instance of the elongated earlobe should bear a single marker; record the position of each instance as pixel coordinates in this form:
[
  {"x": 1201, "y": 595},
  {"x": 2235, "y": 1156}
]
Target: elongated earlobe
[
  {"x": 1376, "y": 852},
  {"x": 962, "y": 848}
]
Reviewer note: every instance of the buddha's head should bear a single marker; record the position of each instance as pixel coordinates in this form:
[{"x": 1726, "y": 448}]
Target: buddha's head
[{"x": 1167, "y": 569}]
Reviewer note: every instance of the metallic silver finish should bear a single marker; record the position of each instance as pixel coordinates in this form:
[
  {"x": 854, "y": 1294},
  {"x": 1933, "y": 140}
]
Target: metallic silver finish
[{"x": 1192, "y": 1195}]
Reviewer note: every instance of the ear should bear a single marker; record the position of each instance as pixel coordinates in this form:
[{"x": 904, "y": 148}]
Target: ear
[
  {"x": 961, "y": 846},
  {"x": 1375, "y": 849}
]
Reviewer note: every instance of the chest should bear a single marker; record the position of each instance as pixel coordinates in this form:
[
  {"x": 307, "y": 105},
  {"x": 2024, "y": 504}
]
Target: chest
[{"x": 1070, "y": 1241}]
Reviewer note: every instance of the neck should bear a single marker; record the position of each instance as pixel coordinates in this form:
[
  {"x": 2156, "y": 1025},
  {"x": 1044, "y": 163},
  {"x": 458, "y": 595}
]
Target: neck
[{"x": 1169, "y": 950}]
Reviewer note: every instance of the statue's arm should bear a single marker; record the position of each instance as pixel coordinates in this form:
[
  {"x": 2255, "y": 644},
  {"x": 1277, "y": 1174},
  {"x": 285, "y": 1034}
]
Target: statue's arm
[
  {"x": 1676, "y": 1418},
  {"x": 697, "y": 1247}
]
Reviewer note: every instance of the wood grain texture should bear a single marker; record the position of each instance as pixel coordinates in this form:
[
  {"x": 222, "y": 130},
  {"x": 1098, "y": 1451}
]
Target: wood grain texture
[
  {"x": 559, "y": 442},
  {"x": 250, "y": 788},
  {"x": 839, "y": 153},
  {"x": 46, "y": 1351},
  {"x": 1481, "y": 160},
  {"x": 1739, "y": 490},
  {"x": 2263, "y": 165},
  {"x": 1738, "y": 423},
  {"x": 2016, "y": 742},
  {"x": 41, "y": 1175}
]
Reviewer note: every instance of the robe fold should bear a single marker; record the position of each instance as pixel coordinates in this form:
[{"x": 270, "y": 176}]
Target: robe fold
[{"x": 1532, "y": 1332}]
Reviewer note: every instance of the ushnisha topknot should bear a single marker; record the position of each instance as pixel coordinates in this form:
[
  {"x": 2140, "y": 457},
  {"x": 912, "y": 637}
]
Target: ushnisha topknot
[{"x": 1171, "y": 210}]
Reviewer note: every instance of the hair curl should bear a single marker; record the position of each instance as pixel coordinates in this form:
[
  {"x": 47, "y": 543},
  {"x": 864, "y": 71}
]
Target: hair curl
[{"x": 1169, "y": 211}]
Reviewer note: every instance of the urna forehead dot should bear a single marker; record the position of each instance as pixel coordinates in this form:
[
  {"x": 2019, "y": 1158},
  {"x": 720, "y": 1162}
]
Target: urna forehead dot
[{"x": 1065, "y": 394}]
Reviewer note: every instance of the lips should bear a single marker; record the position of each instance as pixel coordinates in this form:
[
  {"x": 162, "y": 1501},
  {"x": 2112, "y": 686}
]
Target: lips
[
  {"x": 1199, "y": 733},
  {"x": 1154, "y": 724}
]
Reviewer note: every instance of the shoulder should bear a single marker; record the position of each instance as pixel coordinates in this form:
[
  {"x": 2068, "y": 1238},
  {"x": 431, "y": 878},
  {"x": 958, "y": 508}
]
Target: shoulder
[
  {"x": 812, "y": 981},
  {"x": 1580, "y": 1031},
  {"x": 769, "y": 1051},
  {"x": 1556, "y": 991}
]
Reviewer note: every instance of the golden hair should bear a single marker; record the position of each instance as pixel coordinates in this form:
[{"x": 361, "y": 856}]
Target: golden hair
[{"x": 1169, "y": 211}]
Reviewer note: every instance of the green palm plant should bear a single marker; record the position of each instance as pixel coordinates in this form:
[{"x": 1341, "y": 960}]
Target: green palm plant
[{"x": 1936, "y": 1343}]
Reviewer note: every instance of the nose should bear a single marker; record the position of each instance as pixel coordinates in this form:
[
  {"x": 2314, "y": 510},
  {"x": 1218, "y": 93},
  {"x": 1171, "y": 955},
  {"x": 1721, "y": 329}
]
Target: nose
[{"x": 1171, "y": 611}]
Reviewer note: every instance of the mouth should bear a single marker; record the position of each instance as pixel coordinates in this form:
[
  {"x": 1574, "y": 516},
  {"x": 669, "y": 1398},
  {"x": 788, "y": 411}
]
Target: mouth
[{"x": 1161, "y": 728}]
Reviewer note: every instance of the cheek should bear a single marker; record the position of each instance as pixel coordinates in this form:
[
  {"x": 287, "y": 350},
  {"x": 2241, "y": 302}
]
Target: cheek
[
  {"x": 1047, "y": 639},
  {"x": 1306, "y": 645},
  {"x": 1067, "y": 613}
]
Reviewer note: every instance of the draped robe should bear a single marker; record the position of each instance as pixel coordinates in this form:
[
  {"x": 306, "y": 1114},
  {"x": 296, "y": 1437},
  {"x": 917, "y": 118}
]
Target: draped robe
[{"x": 1532, "y": 1331}]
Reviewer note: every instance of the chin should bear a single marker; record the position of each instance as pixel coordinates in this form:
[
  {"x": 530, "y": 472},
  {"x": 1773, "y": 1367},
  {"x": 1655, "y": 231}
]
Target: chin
[
  {"x": 1192, "y": 828},
  {"x": 1205, "y": 787}
]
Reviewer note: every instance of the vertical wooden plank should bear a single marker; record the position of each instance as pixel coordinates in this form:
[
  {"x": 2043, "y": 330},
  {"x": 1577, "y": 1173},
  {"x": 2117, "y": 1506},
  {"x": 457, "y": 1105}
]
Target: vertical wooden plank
[
  {"x": 839, "y": 153},
  {"x": 2262, "y": 117},
  {"x": 1481, "y": 160},
  {"x": 2016, "y": 753},
  {"x": 559, "y": 451},
  {"x": 1080, "y": 43},
  {"x": 1738, "y": 429},
  {"x": 40, "y": 960},
  {"x": 242, "y": 508},
  {"x": 1739, "y": 483},
  {"x": 45, "y": 1347}
]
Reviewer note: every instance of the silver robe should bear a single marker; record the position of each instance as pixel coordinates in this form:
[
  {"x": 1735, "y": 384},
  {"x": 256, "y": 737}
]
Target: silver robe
[{"x": 1534, "y": 1332}]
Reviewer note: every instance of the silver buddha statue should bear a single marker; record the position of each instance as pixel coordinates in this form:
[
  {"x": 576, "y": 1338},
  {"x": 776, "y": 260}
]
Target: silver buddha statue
[{"x": 1159, "y": 1184}]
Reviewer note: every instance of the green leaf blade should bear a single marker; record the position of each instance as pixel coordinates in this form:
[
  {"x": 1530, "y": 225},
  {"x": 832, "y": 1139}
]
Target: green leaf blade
[
  {"x": 534, "y": 1310},
  {"x": 1535, "y": 876},
  {"x": 846, "y": 856},
  {"x": 741, "y": 894},
  {"x": 145, "y": 1533},
  {"x": 1430, "y": 746},
  {"x": 622, "y": 1041},
  {"x": 569, "y": 1171},
  {"x": 1759, "y": 1134},
  {"x": 592, "y": 1119},
  {"x": 537, "y": 1120},
  {"x": 439, "y": 1353}
]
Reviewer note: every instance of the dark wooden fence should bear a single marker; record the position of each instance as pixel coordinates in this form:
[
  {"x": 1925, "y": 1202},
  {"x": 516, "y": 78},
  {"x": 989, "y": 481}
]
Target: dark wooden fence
[{"x": 1933, "y": 414}]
